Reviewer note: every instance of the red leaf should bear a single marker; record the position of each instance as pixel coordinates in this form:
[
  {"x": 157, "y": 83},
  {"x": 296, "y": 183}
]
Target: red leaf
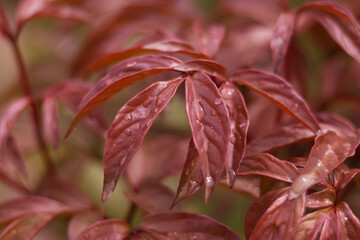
[
  {"x": 82, "y": 220},
  {"x": 159, "y": 157},
  {"x": 343, "y": 175},
  {"x": 280, "y": 219},
  {"x": 328, "y": 152},
  {"x": 239, "y": 123},
  {"x": 26, "y": 227},
  {"x": 152, "y": 197},
  {"x": 322, "y": 199},
  {"x": 13, "y": 169},
  {"x": 280, "y": 92},
  {"x": 339, "y": 22},
  {"x": 210, "y": 126},
  {"x": 30, "y": 9},
  {"x": 10, "y": 115},
  {"x": 51, "y": 121},
  {"x": 64, "y": 191},
  {"x": 283, "y": 31},
  {"x": 279, "y": 137},
  {"x": 114, "y": 229},
  {"x": 248, "y": 185},
  {"x": 121, "y": 76},
  {"x": 210, "y": 67},
  {"x": 168, "y": 46},
  {"x": 128, "y": 130},
  {"x": 267, "y": 165},
  {"x": 352, "y": 223},
  {"x": 16, "y": 208},
  {"x": 191, "y": 177},
  {"x": 258, "y": 209},
  {"x": 187, "y": 223},
  {"x": 210, "y": 39}
]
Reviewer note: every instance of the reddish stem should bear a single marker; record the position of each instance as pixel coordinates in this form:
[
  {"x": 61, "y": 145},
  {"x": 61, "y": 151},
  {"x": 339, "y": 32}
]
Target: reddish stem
[{"x": 25, "y": 84}]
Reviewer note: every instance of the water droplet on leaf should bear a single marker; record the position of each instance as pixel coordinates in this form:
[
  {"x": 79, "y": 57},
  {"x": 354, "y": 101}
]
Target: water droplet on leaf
[
  {"x": 86, "y": 236},
  {"x": 232, "y": 139},
  {"x": 217, "y": 101},
  {"x": 127, "y": 132},
  {"x": 128, "y": 117},
  {"x": 241, "y": 125},
  {"x": 130, "y": 64},
  {"x": 230, "y": 176},
  {"x": 213, "y": 112},
  {"x": 209, "y": 182}
]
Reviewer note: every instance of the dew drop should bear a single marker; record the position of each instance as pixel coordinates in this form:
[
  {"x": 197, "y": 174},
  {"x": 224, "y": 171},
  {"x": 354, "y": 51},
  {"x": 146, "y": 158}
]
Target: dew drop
[
  {"x": 200, "y": 113},
  {"x": 232, "y": 139},
  {"x": 213, "y": 112},
  {"x": 130, "y": 64},
  {"x": 295, "y": 107},
  {"x": 282, "y": 85},
  {"x": 230, "y": 177},
  {"x": 319, "y": 132},
  {"x": 128, "y": 117},
  {"x": 96, "y": 229},
  {"x": 242, "y": 125},
  {"x": 187, "y": 172},
  {"x": 346, "y": 219},
  {"x": 86, "y": 236},
  {"x": 209, "y": 182},
  {"x": 217, "y": 101},
  {"x": 127, "y": 132},
  {"x": 233, "y": 130}
]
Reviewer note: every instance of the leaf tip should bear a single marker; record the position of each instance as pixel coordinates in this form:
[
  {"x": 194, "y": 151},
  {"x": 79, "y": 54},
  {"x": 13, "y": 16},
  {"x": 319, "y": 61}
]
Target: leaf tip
[{"x": 107, "y": 191}]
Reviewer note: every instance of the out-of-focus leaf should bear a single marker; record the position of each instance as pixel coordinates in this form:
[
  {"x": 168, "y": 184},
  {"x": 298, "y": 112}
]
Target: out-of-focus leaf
[
  {"x": 339, "y": 22},
  {"x": 16, "y": 208},
  {"x": 155, "y": 47},
  {"x": 114, "y": 229},
  {"x": 329, "y": 151},
  {"x": 26, "y": 227},
  {"x": 266, "y": 164},
  {"x": 120, "y": 77},
  {"x": 64, "y": 191},
  {"x": 239, "y": 123},
  {"x": 210, "y": 67},
  {"x": 258, "y": 209},
  {"x": 343, "y": 175},
  {"x": 210, "y": 126},
  {"x": 30, "y": 9},
  {"x": 159, "y": 157},
  {"x": 283, "y": 31},
  {"x": 82, "y": 220},
  {"x": 279, "y": 137},
  {"x": 208, "y": 39},
  {"x": 13, "y": 169},
  {"x": 70, "y": 93},
  {"x": 129, "y": 128},
  {"x": 280, "y": 92},
  {"x": 280, "y": 219},
  {"x": 352, "y": 223},
  {"x": 248, "y": 185},
  {"x": 9, "y": 117},
  {"x": 152, "y": 197},
  {"x": 51, "y": 121},
  {"x": 322, "y": 199},
  {"x": 191, "y": 177},
  {"x": 182, "y": 223}
]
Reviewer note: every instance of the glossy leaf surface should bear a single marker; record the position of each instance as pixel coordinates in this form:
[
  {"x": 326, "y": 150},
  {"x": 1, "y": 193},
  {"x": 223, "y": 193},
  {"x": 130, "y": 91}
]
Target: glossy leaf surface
[
  {"x": 114, "y": 229},
  {"x": 120, "y": 77},
  {"x": 329, "y": 151},
  {"x": 210, "y": 67},
  {"x": 191, "y": 177},
  {"x": 210, "y": 127},
  {"x": 267, "y": 165},
  {"x": 129, "y": 128},
  {"x": 280, "y": 219},
  {"x": 352, "y": 223},
  {"x": 239, "y": 123},
  {"x": 185, "y": 223},
  {"x": 280, "y": 92},
  {"x": 322, "y": 199},
  {"x": 81, "y": 221}
]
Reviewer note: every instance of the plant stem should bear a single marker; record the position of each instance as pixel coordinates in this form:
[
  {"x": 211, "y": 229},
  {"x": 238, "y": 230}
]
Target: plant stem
[
  {"x": 25, "y": 84},
  {"x": 131, "y": 212}
]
